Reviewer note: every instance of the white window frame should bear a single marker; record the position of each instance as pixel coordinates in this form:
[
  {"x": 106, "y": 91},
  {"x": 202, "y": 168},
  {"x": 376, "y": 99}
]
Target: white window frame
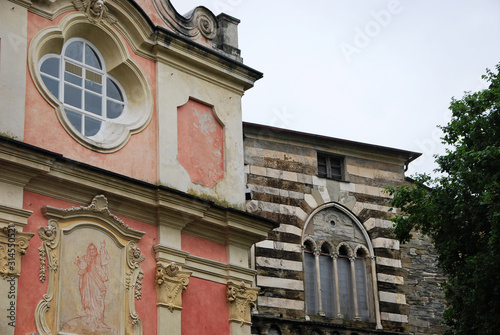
[{"x": 63, "y": 60}]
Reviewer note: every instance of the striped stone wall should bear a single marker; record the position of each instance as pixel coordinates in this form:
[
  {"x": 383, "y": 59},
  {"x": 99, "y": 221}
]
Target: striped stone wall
[{"x": 281, "y": 171}]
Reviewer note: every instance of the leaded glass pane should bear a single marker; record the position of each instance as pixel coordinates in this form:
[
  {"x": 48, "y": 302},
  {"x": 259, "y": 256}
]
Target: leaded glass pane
[
  {"x": 345, "y": 286},
  {"x": 114, "y": 109},
  {"x": 75, "y": 119},
  {"x": 51, "y": 66},
  {"x": 75, "y": 51},
  {"x": 91, "y": 57},
  {"x": 310, "y": 278},
  {"x": 112, "y": 90},
  {"x": 93, "y": 86},
  {"x": 361, "y": 288},
  {"x": 71, "y": 78},
  {"x": 93, "y": 103},
  {"x": 92, "y": 126},
  {"x": 73, "y": 96},
  {"x": 52, "y": 84},
  {"x": 327, "y": 285}
]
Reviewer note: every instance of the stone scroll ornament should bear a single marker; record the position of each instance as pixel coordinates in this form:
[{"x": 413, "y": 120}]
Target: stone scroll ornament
[
  {"x": 199, "y": 21},
  {"x": 94, "y": 273},
  {"x": 170, "y": 281},
  {"x": 241, "y": 300}
]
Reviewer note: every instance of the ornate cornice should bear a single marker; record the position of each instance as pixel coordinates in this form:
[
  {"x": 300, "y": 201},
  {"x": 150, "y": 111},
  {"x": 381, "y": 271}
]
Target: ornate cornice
[
  {"x": 98, "y": 208},
  {"x": 202, "y": 267},
  {"x": 170, "y": 281},
  {"x": 241, "y": 300},
  {"x": 76, "y": 182},
  {"x": 16, "y": 216}
]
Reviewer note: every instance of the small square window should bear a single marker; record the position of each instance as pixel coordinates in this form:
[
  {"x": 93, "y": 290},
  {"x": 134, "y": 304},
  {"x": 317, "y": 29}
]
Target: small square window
[{"x": 330, "y": 166}]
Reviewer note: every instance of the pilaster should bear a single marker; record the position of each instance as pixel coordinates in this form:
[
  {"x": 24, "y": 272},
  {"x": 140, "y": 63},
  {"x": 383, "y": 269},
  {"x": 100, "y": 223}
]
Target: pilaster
[
  {"x": 13, "y": 245},
  {"x": 241, "y": 300},
  {"x": 170, "y": 281}
]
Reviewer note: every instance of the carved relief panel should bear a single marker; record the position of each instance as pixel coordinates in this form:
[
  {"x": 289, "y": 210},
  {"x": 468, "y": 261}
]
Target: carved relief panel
[{"x": 94, "y": 273}]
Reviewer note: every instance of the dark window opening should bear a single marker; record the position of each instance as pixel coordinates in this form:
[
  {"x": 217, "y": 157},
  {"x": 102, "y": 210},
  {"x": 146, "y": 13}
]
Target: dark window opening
[{"x": 330, "y": 166}]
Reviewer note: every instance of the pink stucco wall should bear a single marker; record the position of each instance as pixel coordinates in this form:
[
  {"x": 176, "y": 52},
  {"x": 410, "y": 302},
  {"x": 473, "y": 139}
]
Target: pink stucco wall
[
  {"x": 204, "y": 308},
  {"x": 203, "y": 248}
]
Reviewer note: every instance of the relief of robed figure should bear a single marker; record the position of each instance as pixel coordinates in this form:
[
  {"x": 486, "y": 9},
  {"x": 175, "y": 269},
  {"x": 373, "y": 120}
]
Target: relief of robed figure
[{"x": 93, "y": 275}]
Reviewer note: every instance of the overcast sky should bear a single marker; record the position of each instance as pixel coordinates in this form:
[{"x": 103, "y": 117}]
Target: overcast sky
[{"x": 379, "y": 72}]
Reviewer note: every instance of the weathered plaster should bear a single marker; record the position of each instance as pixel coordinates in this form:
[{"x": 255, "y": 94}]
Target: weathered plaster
[{"x": 13, "y": 35}]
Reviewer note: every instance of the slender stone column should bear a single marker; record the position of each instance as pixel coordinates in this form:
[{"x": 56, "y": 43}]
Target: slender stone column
[
  {"x": 241, "y": 299},
  {"x": 170, "y": 281},
  {"x": 335, "y": 256},
  {"x": 13, "y": 245},
  {"x": 354, "y": 291},
  {"x": 375, "y": 293},
  {"x": 318, "y": 282}
]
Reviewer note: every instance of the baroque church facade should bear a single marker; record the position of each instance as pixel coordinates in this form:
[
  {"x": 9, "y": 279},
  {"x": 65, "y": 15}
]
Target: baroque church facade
[{"x": 133, "y": 200}]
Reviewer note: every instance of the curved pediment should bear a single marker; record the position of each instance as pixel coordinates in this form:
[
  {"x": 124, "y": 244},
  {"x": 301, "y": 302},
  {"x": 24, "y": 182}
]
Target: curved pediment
[{"x": 198, "y": 21}]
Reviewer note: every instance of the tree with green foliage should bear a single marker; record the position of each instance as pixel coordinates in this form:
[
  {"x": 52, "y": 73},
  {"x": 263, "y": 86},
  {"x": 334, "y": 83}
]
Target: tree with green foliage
[{"x": 460, "y": 210}]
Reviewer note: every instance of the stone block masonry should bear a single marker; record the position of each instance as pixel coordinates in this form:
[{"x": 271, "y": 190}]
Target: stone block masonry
[{"x": 282, "y": 174}]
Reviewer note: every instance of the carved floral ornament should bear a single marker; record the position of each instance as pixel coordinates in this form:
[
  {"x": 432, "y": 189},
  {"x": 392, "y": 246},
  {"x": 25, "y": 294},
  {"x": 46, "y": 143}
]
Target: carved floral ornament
[
  {"x": 92, "y": 261},
  {"x": 241, "y": 300},
  {"x": 170, "y": 281},
  {"x": 13, "y": 245}
]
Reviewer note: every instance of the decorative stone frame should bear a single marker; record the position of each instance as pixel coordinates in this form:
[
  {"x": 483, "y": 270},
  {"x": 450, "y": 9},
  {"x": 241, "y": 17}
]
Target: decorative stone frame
[
  {"x": 139, "y": 109},
  {"x": 95, "y": 218}
]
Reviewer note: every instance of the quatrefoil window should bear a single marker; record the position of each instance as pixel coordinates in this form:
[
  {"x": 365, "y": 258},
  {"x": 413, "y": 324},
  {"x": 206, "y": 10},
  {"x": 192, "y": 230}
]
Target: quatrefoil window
[{"x": 78, "y": 78}]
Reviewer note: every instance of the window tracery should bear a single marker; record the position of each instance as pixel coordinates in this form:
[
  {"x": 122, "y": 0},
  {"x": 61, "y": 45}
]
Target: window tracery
[{"x": 338, "y": 263}]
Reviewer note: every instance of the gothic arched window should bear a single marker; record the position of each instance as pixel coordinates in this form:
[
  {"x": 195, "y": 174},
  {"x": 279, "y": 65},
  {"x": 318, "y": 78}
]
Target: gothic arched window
[{"x": 338, "y": 263}]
